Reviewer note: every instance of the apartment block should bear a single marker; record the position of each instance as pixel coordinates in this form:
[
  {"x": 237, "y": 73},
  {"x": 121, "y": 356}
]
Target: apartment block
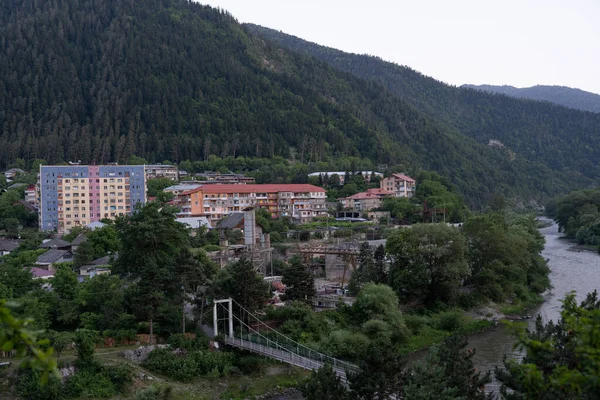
[
  {"x": 77, "y": 195},
  {"x": 399, "y": 184},
  {"x": 300, "y": 202},
  {"x": 154, "y": 171}
]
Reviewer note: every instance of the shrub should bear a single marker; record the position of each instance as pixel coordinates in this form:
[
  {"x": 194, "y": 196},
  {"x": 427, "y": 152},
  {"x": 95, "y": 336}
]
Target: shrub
[
  {"x": 184, "y": 367},
  {"x": 450, "y": 321},
  {"x": 155, "y": 392},
  {"x": 86, "y": 383},
  {"x": 249, "y": 364},
  {"x": 415, "y": 322},
  {"x": 28, "y": 386},
  {"x": 211, "y": 247}
]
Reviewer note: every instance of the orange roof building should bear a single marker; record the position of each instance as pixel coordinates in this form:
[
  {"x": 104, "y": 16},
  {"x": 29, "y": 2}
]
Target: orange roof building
[{"x": 301, "y": 202}]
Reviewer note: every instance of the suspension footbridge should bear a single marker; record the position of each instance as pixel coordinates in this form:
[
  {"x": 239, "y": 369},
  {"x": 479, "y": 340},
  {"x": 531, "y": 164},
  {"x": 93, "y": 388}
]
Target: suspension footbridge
[{"x": 254, "y": 335}]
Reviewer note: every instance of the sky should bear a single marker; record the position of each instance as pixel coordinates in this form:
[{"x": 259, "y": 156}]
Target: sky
[{"x": 500, "y": 42}]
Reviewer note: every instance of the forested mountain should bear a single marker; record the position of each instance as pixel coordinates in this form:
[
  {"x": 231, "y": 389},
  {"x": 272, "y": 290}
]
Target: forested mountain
[
  {"x": 561, "y": 138},
  {"x": 561, "y": 95},
  {"x": 101, "y": 80}
]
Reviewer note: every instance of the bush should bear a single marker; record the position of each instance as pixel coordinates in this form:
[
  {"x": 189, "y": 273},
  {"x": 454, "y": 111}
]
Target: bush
[
  {"x": 249, "y": 364},
  {"x": 345, "y": 344},
  {"x": 186, "y": 366},
  {"x": 415, "y": 322},
  {"x": 211, "y": 247},
  {"x": 179, "y": 341},
  {"x": 155, "y": 392},
  {"x": 86, "y": 383},
  {"x": 28, "y": 386},
  {"x": 450, "y": 321}
]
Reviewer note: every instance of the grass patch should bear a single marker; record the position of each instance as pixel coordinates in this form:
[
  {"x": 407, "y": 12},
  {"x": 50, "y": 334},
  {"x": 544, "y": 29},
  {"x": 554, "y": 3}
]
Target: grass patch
[{"x": 248, "y": 386}]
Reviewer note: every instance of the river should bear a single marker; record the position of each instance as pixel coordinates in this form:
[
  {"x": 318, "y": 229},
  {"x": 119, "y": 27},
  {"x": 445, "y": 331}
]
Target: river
[{"x": 569, "y": 271}]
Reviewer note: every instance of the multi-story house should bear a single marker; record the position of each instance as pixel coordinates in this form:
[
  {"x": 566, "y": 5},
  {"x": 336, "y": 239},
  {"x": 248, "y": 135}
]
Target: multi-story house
[
  {"x": 77, "y": 195},
  {"x": 399, "y": 184},
  {"x": 300, "y": 202},
  {"x": 154, "y": 171},
  {"x": 365, "y": 201},
  {"x": 31, "y": 195}
]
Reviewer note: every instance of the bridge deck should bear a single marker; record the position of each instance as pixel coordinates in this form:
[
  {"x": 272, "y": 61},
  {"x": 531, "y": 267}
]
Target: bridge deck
[{"x": 283, "y": 356}]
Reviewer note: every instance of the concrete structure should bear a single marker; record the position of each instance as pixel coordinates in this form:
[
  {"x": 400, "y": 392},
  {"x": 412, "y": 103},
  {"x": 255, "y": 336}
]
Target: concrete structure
[
  {"x": 77, "y": 195},
  {"x": 215, "y": 177},
  {"x": 301, "y": 202},
  {"x": 342, "y": 174},
  {"x": 256, "y": 247},
  {"x": 182, "y": 187},
  {"x": 365, "y": 201},
  {"x": 194, "y": 222},
  {"x": 399, "y": 184},
  {"x": 154, "y": 171},
  {"x": 378, "y": 215}
]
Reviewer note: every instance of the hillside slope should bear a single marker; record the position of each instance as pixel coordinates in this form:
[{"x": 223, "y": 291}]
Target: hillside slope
[
  {"x": 561, "y": 138},
  {"x": 561, "y": 95},
  {"x": 98, "y": 81}
]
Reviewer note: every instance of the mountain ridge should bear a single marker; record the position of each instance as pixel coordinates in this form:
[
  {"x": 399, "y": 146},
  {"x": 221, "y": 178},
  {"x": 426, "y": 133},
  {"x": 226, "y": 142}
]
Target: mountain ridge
[
  {"x": 559, "y": 137},
  {"x": 562, "y": 95},
  {"x": 100, "y": 81}
]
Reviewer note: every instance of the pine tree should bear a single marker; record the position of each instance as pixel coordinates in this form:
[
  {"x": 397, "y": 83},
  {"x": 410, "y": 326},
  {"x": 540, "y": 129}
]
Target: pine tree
[{"x": 299, "y": 281}]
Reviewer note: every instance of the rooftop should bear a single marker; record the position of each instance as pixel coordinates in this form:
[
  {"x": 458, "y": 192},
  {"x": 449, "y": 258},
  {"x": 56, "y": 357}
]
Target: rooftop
[
  {"x": 232, "y": 221},
  {"x": 403, "y": 177},
  {"x": 40, "y": 272},
  {"x": 54, "y": 243},
  {"x": 260, "y": 188},
  {"x": 8, "y": 245},
  {"x": 194, "y": 222},
  {"x": 51, "y": 256}
]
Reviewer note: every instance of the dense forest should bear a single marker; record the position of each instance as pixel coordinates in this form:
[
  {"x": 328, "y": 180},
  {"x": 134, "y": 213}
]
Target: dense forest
[
  {"x": 561, "y": 95},
  {"x": 577, "y": 215},
  {"x": 561, "y": 138},
  {"x": 99, "y": 81}
]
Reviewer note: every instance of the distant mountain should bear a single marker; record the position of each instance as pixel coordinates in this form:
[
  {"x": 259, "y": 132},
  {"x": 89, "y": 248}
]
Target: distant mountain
[
  {"x": 563, "y": 139},
  {"x": 99, "y": 81},
  {"x": 561, "y": 95}
]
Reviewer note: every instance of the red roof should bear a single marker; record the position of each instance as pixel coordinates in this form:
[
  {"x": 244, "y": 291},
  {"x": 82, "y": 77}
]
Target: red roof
[
  {"x": 40, "y": 272},
  {"x": 403, "y": 177},
  {"x": 258, "y": 188},
  {"x": 370, "y": 194}
]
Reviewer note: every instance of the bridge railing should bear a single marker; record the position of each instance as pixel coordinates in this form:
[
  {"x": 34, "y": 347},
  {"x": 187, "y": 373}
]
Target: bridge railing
[{"x": 287, "y": 345}]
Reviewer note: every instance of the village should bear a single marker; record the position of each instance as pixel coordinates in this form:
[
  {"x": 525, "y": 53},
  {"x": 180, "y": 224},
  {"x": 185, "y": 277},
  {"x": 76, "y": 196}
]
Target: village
[{"x": 325, "y": 234}]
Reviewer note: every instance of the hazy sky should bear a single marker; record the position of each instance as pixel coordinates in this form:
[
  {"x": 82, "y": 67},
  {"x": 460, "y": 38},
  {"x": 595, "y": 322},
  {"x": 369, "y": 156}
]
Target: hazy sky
[{"x": 513, "y": 42}]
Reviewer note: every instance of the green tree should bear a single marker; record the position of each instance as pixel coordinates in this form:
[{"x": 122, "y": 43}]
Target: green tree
[
  {"x": 15, "y": 334},
  {"x": 447, "y": 373},
  {"x": 324, "y": 384},
  {"x": 428, "y": 262},
  {"x": 561, "y": 360},
  {"x": 381, "y": 375},
  {"x": 379, "y": 302},
  {"x": 299, "y": 281},
  {"x": 240, "y": 281},
  {"x": 155, "y": 186},
  {"x": 151, "y": 242},
  {"x": 85, "y": 345}
]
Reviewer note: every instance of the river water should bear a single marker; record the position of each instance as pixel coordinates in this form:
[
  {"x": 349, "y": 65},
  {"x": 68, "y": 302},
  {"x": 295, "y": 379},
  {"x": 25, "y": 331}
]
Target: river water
[{"x": 570, "y": 271}]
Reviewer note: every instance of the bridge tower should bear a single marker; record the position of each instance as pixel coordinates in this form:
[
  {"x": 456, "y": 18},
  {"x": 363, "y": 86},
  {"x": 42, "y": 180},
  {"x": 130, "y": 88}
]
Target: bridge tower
[{"x": 229, "y": 318}]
